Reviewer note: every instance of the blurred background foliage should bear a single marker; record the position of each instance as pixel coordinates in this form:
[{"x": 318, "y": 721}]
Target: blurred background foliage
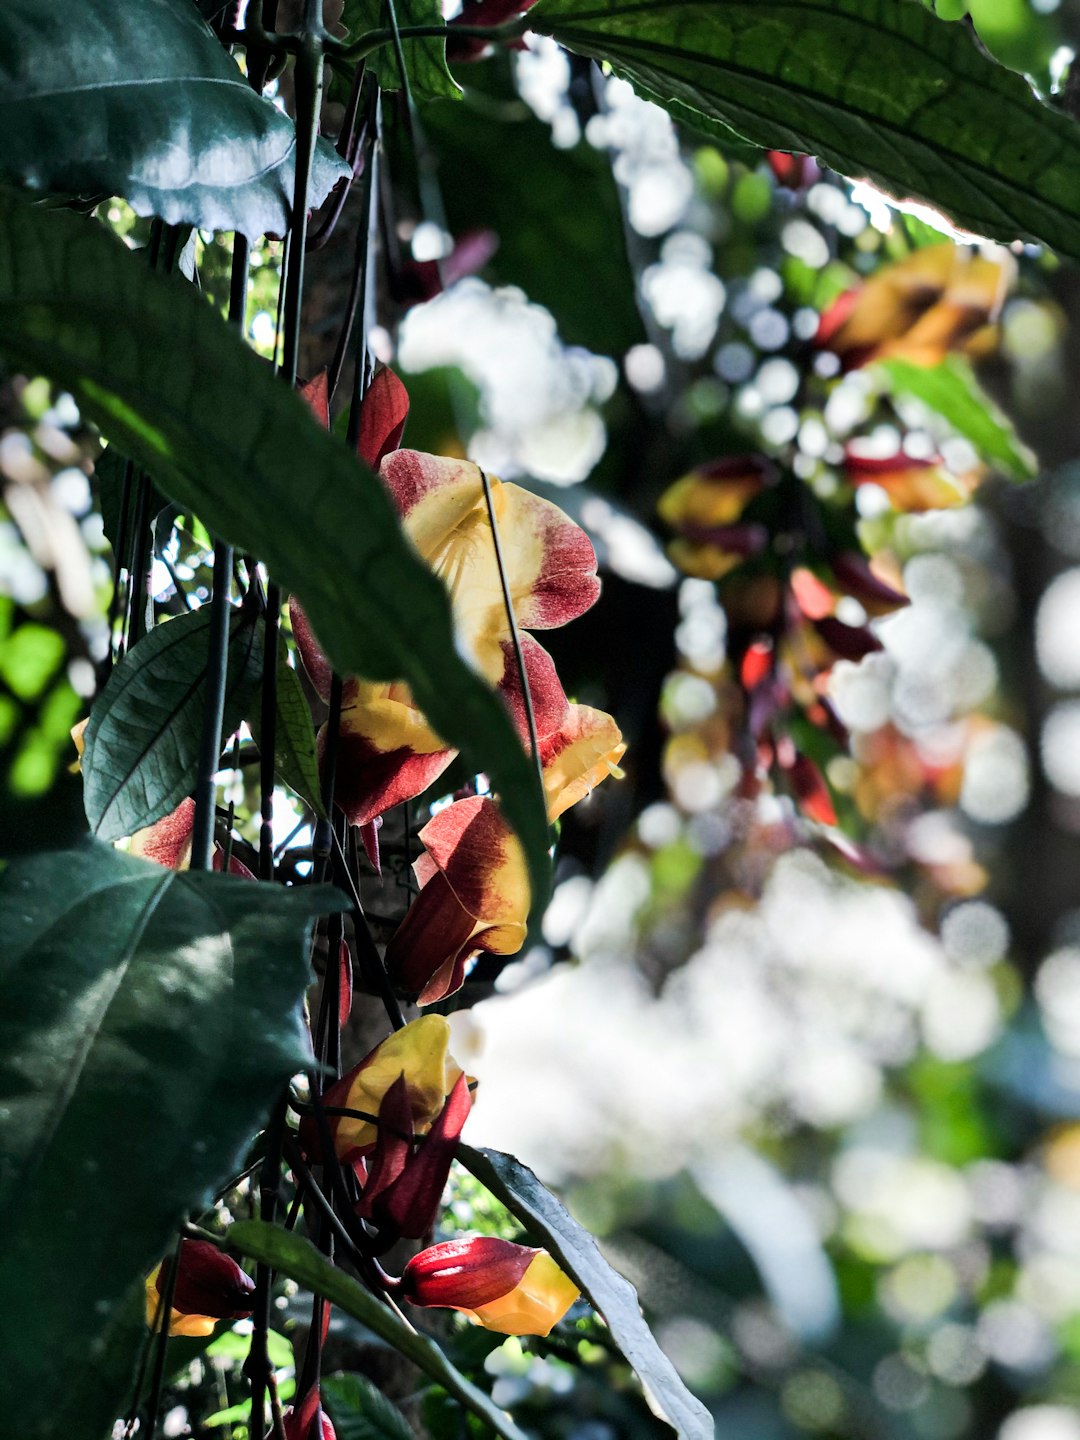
[{"x": 820, "y": 1099}]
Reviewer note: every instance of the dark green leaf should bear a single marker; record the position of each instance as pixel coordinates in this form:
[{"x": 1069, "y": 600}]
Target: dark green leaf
[
  {"x": 137, "y": 98},
  {"x": 501, "y": 172},
  {"x": 142, "y": 742},
  {"x": 877, "y": 88},
  {"x": 360, "y": 1411},
  {"x": 425, "y": 60},
  {"x": 952, "y": 391},
  {"x": 614, "y": 1298},
  {"x": 109, "y": 469},
  {"x": 163, "y": 377},
  {"x": 292, "y": 1255},
  {"x": 147, "y": 1020},
  {"x": 295, "y": 758}
]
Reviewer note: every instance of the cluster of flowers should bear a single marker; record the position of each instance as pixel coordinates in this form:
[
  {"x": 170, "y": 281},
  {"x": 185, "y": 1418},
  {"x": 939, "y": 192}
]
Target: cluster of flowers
[
  {"x": 395, "y": 1118},
  {"x": 474, "y": 885},
  {"x": 787, "y": 559}
]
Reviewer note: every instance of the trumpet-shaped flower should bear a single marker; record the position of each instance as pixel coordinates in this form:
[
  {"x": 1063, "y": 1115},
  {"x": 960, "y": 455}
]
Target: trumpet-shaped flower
[
  {"x": 405, "y": 1181},
  {"x": 474, "y": 896},
  {"x": 420, "y": 1053},
  {"x": 912, "y": 484},
  {"x": 550, "y": 563},
  {"x": 210, "y": 1286},
  {"x": 936, "y": 300},
  {"x": 705, "y": 507},
  {"x": 307, "y": 1420},
  {"x": 512, "y": 1289}
]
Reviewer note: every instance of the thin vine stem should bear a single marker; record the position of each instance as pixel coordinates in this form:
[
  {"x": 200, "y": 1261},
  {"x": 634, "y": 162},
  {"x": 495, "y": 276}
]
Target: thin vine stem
[{"x": 162, "y": 1317}]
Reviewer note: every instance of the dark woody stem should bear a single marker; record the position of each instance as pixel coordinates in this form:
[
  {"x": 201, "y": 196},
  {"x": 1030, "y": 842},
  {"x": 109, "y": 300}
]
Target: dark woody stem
[{"x": 161, "y": 1338}]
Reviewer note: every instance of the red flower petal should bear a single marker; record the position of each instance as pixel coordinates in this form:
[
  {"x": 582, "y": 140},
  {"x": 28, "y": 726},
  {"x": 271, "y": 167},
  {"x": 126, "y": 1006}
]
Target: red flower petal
[{"x": 382, "y": 418}]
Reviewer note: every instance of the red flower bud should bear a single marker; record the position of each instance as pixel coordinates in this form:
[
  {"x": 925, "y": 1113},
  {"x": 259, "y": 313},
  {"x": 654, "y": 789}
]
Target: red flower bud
[
  {"x": 210, "y": 1286},
  {"x": 509, "y": 1288}
]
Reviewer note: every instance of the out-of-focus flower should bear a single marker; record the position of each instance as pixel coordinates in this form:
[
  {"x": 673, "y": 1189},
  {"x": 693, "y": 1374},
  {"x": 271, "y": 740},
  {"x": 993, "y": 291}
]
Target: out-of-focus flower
[
  {"x": 78, "y": 739},
  {"x": 912, "y": 484},
  {"x": 416, "y": 281},
  {"x": 938, "y": 299},
  {"x": 405, "y": 1181},
  {"x": 704, "y": 509},
  {"x": 420, "y": 1053},
  {"x": 481, "y": 12},
  {"x": 512, "y": 1289},
  {"x": 210, "y": 1286},
  {"x": 474, "y": 896},
  {"x": 308, "y": 1420},
  {"x": 793, "y": 172}
]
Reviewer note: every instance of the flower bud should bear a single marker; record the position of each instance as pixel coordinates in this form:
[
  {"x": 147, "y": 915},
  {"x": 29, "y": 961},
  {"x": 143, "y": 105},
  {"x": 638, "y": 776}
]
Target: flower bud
[
  {"x": 210, "y": 1286},
  {"x": 508, "y": 1288}
]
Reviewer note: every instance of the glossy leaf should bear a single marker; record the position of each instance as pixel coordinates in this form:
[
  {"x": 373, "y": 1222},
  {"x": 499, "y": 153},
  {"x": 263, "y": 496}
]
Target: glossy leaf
[
  {"x": 142, "y": 742},
  {"x": 260, "y": 474},
  {"x": 360, "y": 1411},
  {"x": 952, "y": 391},
  {"x": 548, "y": 1224},
  {"x": 425, "y": 59},
  {"x": 875, "y": 88},
  {"x": 147, "y": 1020},
  {"x": 137, "y": 98},
  {"x": 292, "y": 1255}
]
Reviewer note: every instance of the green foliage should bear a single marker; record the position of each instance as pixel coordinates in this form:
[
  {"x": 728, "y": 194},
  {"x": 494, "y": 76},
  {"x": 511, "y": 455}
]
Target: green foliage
[
  {"x": 916, "y": 106},
  {"x": 263, "y": 476},
  {"x": 295, "y": 759},
  {"x": 425, "y": 59},
  {"x": 296, "y": 1257},
  {"x": 147, "y": 1020},
  {"x": 141, "y": 101},
  {"x": 142, "y": 742},
  {"x": 613, "y": 1297},
  {"x": 360, "y": 1411},
  {"x": 952, "y": 391},
  {"x": 565, "y": 255}
]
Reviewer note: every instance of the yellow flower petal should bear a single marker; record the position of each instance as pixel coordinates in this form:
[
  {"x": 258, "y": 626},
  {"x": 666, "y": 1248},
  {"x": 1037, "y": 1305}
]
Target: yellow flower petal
[{"x": 537, "y": 1303}]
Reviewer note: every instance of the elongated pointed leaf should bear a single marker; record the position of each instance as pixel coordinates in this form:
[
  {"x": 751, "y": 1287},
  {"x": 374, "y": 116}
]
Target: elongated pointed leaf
[
  {"x": 549, "y": 1225},
  {"x": 170, "y": 381},
  {"x": 295, "y": 756},
  {"x": 952, "y": 391},
  {"x": 425, "y": 60},
  {"x": 877, "y": 88},
  {"x": 142, "y": 742},
  {"x": 147, "y": 1020},
  {"x": 137, "y": 98},
  {"x": 360, "y": 1411},
  {"x": 292, "y": 1255}
]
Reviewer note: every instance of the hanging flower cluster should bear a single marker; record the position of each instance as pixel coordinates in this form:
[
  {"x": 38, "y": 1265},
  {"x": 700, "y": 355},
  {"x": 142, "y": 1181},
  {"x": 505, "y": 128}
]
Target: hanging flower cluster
[
  {"x": 790, "y": 559},
  {"x": 395, "y": 1119},
  {"x": 474, "y": 883}
]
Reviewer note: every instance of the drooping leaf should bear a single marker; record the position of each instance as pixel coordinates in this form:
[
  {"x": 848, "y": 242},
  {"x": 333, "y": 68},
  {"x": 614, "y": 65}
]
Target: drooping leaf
[
  {"x": 876, "y": 88},
  {"x": 295, "y": 758},
  {"x": 501, "y": 172},
  {"x": 425, "y": 59},
  {"x": 360, "y": 1411},
  {"x": 147, "y": 1020},
  {"x": 137, "y": 98},
  {"x": 549, "y": 1224},
  {"x": 142, "y": 742},
  {"x": 952, "y": 391},
  {"x": 173, "y": 384},
  {"x": 296, "y": 1257}
]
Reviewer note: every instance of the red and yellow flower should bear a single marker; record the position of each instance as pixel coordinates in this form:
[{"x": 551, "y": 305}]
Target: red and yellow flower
[
  {"x": 420, "y": 1054},
  {"x": 512, "y": 1289},
  {"x": 941, "y": 298},
  {"x": 210, "y": 1286}
]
